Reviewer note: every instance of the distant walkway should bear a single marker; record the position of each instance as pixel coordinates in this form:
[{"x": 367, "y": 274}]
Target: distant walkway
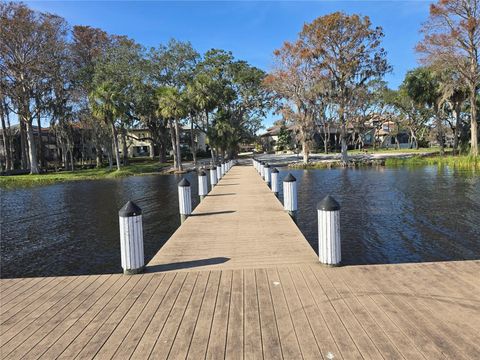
[
  {"x": 239, "y": 281},
  {"x": 240, "y": 224}
]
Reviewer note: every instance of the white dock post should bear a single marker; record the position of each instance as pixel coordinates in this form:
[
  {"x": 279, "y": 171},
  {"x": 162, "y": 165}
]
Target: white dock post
[
  {"x": 266, "y": 173},
  {"x": 274, "y": 181},
  {"x": 222, "y": 166},
  {"x": 202, "y": 185},
  {"x": 262, "y": 169},
  {"x": 131, "y": 239},
  {"x": 329, "y": 244},
  {"x": 290, "y": 195},
  {"x": 219, "y": 172},
  {"x": 213, "y": 176},
  {"x": 184, "y": 199}
]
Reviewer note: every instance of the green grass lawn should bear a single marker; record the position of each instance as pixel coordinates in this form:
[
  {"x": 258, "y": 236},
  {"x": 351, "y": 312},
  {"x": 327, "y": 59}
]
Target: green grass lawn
[
  {"x": 463, "y": 162},
  {"x": 136, "y": 168}
]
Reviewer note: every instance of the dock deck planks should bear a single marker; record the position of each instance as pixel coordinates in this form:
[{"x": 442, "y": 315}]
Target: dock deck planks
[{"x": 239, "y": 281}]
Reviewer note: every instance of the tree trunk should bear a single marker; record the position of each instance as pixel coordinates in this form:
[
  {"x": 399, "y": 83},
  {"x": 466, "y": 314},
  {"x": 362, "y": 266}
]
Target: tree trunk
[
  {"x": 162, "y": 156},
  {"x": 152, "y": 150},
  {"x": 23, "y": 146},
  {"x": 473, "y": 122},
  {"x": 458, "y": 127},
  {"x": 6, "y": 140},
  {"x": 344, "y": 148},
  {"x": 110, "y": 160},
  {"x": 174, "y": 144},
  {"x": 193, "y": 148},
  {"x": 98, "y": 156},
  {"x": 305, "y": 152},
  {"x": 32, "y": 153},
  {"x": 177, "y": 140},
  {"x": 124, "y": 146},
  {"x": 115, "y": 144},
  {"x": 72, "y": 163},
  {"x": 39, "y": 143}
]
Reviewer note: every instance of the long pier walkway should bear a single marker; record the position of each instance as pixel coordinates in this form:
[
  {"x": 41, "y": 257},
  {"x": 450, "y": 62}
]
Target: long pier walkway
[{"x": 239, "y": 281}]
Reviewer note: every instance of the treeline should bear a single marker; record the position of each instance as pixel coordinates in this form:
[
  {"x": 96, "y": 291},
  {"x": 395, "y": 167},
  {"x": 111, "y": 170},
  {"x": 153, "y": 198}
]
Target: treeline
[
  {"x": 332, "y": 76},
  {"x": 83, "y": 77}
]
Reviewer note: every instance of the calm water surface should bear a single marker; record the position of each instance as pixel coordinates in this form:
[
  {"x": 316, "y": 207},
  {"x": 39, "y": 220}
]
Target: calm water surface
[{"x": 388, "y": 216}]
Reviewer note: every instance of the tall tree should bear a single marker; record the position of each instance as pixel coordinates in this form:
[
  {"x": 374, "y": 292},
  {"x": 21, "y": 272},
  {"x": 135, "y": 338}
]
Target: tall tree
[
  {"x": 347, "y": 50},
  {"x": 295, "y": 85},
  {"x": 422, "y": 85},
  {"x": 452, "y": 39},
  {"x": 29, "y": 45}
]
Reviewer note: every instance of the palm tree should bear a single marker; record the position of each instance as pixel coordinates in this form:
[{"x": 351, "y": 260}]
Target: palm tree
[
  {"x": 106, "y": 106},
  {"x": 172, "y": 105}
]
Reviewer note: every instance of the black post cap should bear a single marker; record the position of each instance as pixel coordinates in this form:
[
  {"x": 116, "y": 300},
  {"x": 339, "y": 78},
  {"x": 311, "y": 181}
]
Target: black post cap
[
  {"x": 328, "y": 204},
  {"x": 289, "y": 178},
  {"x": 184, "y": 182},
  {"x": 275, "y": 170},
  {"x": 202, "y": 173},
  {"x": 130, "y": 209},
  {"x": 266, "y": 165}
]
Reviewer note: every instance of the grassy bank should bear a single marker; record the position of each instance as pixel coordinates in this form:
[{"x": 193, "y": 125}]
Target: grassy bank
[
  {"x": 138, "y": 168},
  {"x": 457, "y": 162}
]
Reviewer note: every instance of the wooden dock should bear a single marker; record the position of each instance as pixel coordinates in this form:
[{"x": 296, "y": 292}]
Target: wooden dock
[{"x": 239, "y": 281}]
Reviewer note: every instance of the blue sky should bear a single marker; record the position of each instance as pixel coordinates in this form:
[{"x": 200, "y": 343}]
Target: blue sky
[{"x": 251, "y": 30}]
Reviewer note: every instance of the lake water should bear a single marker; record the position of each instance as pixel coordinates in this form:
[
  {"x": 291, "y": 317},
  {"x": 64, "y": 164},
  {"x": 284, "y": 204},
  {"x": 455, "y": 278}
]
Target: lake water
[{"x": 387, "y": 216}]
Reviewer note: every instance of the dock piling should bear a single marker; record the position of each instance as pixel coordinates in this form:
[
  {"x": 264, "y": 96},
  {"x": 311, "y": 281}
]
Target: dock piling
[
  {"x": 329, "y": 244},
  {"x": 274, "y": 181},
  {"x": 131, "y": 239},
  {"x": 290, "y": 195},
  {"x": 202, "y": 185},
  {"x": 262, "y": 169},
  {"x": 213, "y": 176},
  {"x": 219, "y": 172},
  {"x": 184, "y": 199},
  {"x": 267, "y": 173}
]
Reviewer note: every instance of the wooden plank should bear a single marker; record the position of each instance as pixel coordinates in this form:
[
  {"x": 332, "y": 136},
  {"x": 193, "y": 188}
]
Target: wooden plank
[
  {"x": 354, "y": 328},
  {"x": 31, "y": 301},
  {"x": 184, "y": 335},
  {"x": 89, "y": 341},
  {"x": 146, "y": 344},
  {"x": 346, "y": 346},
  {"x": 306, "y": 337},
  {"x": 138, "y": 330},
  {"x": 401, "y": 318},
  {"x": 218, "y": 334},
  {"x": 24, "y": 340},
  {"x": 381, "y": 340},
  {"x": 286, "y": 331},
  {"x": 54, "y": 344},
  {"x": 54, "y": 329},
  {"x": 169, "y": 331},
  {"x": 133, "y": 288},
  {"x": 362, "y": 291},
  {"x": 122, "y": 325},
  {"x": 20, "y": 291},
  {"x": 25, "y": 323},
  {"x": 234, "y": 348},
  {"x": 268, "y": 322},
  {"x": 417, "y": 315},
  {"x": 443, "y": 320},
  {"x": 253, "y": 348},
  {"x": 201, "y": 334}
]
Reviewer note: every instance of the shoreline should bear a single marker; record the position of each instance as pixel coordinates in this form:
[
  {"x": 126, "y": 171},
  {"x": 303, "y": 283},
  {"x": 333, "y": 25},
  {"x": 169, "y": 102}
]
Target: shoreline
[{"x": 316, "y": 161}]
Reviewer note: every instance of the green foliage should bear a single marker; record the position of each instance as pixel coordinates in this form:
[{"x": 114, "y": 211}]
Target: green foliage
[
  {"x": 456, "y": 162},
  {"x": 138, "y": 168},
  {"x": 284, "y": 139}
]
